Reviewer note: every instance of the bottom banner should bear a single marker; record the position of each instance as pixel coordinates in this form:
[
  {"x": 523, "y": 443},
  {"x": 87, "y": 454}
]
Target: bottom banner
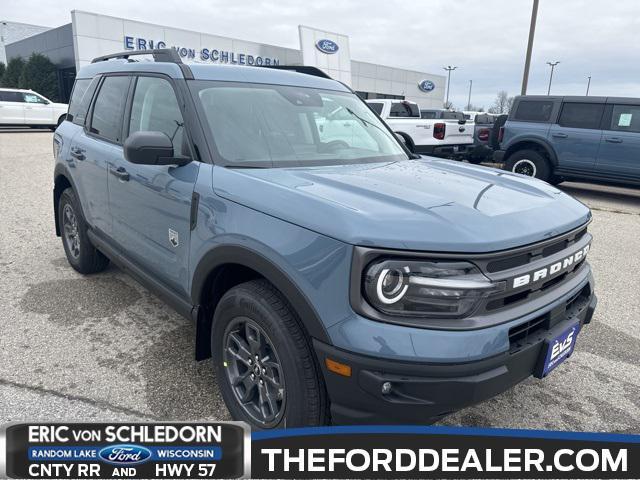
[{"x": 442, "y": 452}]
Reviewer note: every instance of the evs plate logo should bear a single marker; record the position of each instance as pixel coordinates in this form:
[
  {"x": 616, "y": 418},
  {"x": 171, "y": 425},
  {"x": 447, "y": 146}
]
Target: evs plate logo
[
  {"x": 327, "y": 46},
  {"x": 125, "y": 454},
  {"x": 426, "y": 85}
]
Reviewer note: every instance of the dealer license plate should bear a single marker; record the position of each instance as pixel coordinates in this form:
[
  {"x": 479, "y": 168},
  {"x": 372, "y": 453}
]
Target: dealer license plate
[{"x": 557, "y": 349}]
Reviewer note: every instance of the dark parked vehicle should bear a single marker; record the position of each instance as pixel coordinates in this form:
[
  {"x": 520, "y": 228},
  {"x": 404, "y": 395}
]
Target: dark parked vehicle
[
  {"x": 586, "y": 138},
  {"x": 332, "y": 275},
  {"x": 482, "y": 136}
]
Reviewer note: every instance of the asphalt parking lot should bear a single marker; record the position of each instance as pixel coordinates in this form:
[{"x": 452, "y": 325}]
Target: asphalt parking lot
[{"x": 103, "y": 347}]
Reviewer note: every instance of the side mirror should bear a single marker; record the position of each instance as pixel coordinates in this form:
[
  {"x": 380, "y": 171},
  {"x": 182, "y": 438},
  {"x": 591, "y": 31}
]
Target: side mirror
[{"x": 151, "y": 148}]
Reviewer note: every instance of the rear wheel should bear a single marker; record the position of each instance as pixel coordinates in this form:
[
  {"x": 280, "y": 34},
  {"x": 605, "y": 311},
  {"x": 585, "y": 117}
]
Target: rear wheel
[
  {"x": 263, "y": 360},
  {"x": 81, "y": 254},
  {"x": 529, "y": 163}
]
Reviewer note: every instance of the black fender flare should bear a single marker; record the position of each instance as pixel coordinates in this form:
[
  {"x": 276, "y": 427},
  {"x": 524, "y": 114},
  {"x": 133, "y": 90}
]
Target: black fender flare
[
  {"x": 515, "y": 146},
  {"x": 61, "y": 170},
  {"x": 242, "y": 255}
]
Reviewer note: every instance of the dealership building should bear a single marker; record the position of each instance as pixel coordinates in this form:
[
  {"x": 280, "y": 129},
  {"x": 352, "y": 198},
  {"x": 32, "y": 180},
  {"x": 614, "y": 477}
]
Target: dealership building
[{"x": 91, "y": 35}]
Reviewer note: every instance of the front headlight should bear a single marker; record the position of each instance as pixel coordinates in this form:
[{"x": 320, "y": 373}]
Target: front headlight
[{"x": 433, "y": 289}]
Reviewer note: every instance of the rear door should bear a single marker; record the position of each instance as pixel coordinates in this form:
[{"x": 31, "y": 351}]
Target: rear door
[
  {"x": 37, "y": 110},
  {"x": 98, "y": 145},
  {"x": 620, "y": 148},
  {"x": 11, "y": 108},
  {"x": 151, "y": 204},
  {"x": 575, "y": 137}
]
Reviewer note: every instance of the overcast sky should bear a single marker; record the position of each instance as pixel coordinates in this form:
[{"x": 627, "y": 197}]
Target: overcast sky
[{"x": 486, "y": 39}]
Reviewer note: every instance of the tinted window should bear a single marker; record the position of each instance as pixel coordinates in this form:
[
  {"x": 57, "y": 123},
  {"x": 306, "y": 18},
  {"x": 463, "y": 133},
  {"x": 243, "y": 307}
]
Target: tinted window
[
  {"x": 626, "y": 118},
  {"x": 376, "y": 107},
  {"x": 11, "y": 97},
  {"x": 534, "y": 111},
  {"x": 80, "y": 99},
  {"x": 484, "y": 118},
  {"x": 108, "y": 108},
  {"x": 155, "y": 109},
  {"x": 581, "y": 115},
  {"x": 404, "y": 109},
  {"x": 452, "y": 116},
  {"x": 428, "y": 114}
]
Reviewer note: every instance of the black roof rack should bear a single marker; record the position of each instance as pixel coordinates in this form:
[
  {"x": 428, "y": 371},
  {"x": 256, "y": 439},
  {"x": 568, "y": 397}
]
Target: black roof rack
[
  {"x": 159, "y": 55},
  {"x": 315, "y": 71}
]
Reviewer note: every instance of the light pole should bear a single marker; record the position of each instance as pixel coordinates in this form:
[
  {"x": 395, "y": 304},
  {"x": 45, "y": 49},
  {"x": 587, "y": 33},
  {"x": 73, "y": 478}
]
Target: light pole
[
  {"x": 527, "y": 58},
  {"x": 588, "y": 84},
  {"x": 553, "y": 65},
  {"x": 469, "y": 100},
  {"x": 449, "y": 69}
]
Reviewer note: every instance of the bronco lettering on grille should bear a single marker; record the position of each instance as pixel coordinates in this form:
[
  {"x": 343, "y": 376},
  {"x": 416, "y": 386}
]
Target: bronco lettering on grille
[{"x": 550, "y": 270}]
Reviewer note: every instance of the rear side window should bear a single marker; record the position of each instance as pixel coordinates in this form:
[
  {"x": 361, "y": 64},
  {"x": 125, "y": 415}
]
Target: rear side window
[
  {"x": 81, "y": 99},
  {"x": 108, "y": 109},
  {"x": 155, "y": 109},
  {"x": 428, "y": 114},
  {"x": 626, "y": 118},
  {"x": 376, "y": 107},
  {"x": 581, "y": 115},
  {"x": 404, "y": 109},
  {"x": 485, "y": 119},
  {"x": 11, "y": 97},
  {"x": 534, "y": 111}
]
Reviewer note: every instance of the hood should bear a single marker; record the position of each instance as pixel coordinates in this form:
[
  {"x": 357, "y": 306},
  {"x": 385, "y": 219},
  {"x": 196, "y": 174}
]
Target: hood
[{"x": 426, "y": 205}]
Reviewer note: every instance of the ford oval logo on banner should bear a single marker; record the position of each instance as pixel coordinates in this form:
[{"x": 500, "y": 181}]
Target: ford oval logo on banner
[
  {"x": 327, "y": 46},
  {"x": 426, "y": 85},
  {"x": 125, "y": 454}
]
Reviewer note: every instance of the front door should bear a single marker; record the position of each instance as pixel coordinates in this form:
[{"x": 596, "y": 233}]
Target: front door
[
  {"x": 621, "y": 143},
  {"x": 151, "y": 204},
  {"x": 37, "y": 110},
  {"x": 576, "y": 136}
]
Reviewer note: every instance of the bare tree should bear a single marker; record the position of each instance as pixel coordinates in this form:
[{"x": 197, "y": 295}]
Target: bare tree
[
  {"x": 502, "y": 103},
  {"x": 474, "y": 108}
]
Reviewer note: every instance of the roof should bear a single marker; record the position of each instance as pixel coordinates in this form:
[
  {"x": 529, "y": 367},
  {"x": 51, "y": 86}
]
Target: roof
[
  {"x": 581, "y": 99},
  {"x": 9, "y": 89},
  {"x": 226, "y": 73}
]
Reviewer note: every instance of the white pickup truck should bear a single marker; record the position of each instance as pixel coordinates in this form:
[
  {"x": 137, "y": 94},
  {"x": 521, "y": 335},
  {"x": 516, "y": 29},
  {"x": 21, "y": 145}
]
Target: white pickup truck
[{"x": 438, "y": 137}]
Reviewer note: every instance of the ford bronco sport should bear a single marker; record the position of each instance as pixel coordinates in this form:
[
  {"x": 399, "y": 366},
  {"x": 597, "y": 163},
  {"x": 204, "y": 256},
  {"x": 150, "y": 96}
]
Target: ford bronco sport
[{"x": 331, "y": 275}]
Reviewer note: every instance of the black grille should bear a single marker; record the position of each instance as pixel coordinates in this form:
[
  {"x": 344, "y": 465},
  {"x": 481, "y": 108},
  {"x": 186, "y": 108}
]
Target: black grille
[{"x": 520, "y": 259}]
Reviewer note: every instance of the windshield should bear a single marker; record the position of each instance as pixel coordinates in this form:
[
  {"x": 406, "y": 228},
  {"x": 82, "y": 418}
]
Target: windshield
[{"x": 256, "y": 125}]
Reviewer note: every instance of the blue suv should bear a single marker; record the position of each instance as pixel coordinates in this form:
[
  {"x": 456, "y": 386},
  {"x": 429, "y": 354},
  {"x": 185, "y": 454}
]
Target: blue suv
[
  {"x": 580, "y": 138},
  {"x": 332, "y": 275}
]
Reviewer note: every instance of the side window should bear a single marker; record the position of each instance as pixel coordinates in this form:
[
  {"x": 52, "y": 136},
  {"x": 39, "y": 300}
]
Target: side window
[
  {"x": 108, "y": 109},
  {"x": 581, "y": 115},
  {"x": 33, "y": 98},
  {"x": 376, "y": 107},
  {"x": 534, "y": 111},
  {"x": 626, "y": 118},
  {"x": 81, "y": 99},
  {"x": 155, "y": 109},
  {"x": 404, "y": 109},
  {"x": 428, "y": 114},
  {"x": 11, "y": 97}
]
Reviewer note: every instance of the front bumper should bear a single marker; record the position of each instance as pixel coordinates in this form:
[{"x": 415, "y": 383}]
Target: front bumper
[{"x": 422, "y": 393}]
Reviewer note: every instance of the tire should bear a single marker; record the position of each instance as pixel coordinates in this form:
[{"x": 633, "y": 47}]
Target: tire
[
  {"x": 255, "y": 317},
  {"x": 81, "y": 254},
  {"x": 530, "y": 163}
]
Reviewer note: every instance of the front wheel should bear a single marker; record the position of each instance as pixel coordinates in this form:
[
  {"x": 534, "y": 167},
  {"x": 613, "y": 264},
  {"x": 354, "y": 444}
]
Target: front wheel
[
  {"x": 529, "y": 163},
  {"x": 263, "y": 360}
]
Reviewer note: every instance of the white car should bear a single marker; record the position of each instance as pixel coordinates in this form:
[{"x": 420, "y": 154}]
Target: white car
[
  {"x": 449, "y": 138},
  {"x": 28, "y": 108}
]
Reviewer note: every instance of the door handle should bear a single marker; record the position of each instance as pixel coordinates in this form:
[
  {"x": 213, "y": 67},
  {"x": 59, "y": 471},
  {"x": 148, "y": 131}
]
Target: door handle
[
  {"x": 77, "y": 153},
  {"x": 559, "y": 135},
  {"x": 121, "y": 173},
  {"x": 613, "y": 139}
]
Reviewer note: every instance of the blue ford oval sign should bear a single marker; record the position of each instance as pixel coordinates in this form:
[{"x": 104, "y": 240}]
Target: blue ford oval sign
[
  {"x": 426, "y": 85},
  {"x": 125, "y": 454},
  {"x": 327, "y": 46}
]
